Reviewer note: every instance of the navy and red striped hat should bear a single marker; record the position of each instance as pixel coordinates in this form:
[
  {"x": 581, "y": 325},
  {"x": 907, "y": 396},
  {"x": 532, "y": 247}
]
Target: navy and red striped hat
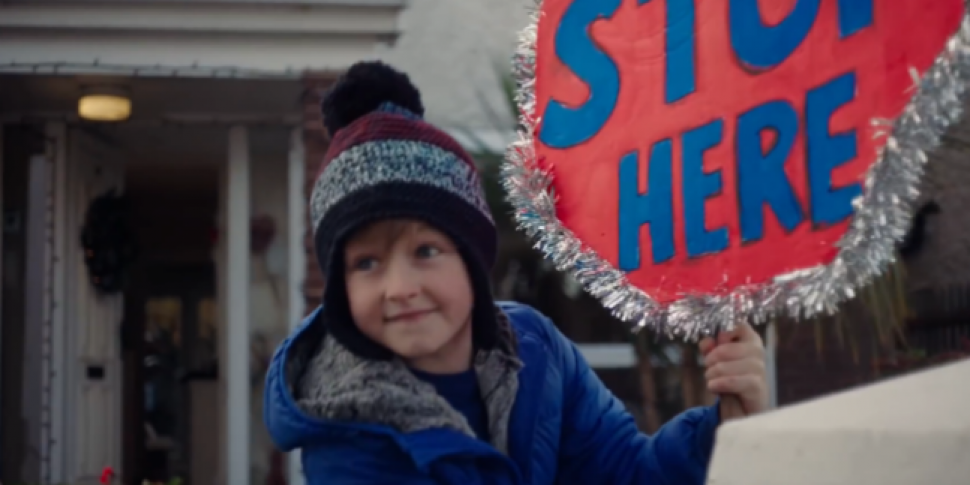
[{"x": 386, "y": 162}]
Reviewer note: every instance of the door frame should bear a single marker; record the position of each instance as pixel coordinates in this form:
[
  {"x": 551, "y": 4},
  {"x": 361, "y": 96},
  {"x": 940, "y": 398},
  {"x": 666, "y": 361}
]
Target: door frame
[{"x": 3, "y": 218}]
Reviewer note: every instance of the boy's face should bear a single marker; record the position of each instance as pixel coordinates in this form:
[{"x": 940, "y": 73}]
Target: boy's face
[{"x": 409, "y": 290}]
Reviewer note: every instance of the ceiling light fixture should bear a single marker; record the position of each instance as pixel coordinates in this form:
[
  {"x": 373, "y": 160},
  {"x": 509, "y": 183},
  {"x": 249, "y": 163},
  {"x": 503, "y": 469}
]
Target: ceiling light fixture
[{"x": 104, "y": 103}]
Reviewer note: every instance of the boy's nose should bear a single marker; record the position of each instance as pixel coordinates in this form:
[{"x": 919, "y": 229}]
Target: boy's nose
[{"x": 401, "y": 282}]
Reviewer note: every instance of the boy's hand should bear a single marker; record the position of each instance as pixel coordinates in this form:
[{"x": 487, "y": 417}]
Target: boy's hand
[{"x": 736, "y": 365}]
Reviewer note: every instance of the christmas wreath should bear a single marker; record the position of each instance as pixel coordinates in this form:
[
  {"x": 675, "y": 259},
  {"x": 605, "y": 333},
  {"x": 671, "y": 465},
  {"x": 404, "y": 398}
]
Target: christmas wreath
[{"x": 107, "y": 242}]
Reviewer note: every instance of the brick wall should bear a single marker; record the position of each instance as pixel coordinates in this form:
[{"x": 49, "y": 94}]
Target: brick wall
[
  {"x": 814, "y": 360},
  {"x": 315, "y": 142}
]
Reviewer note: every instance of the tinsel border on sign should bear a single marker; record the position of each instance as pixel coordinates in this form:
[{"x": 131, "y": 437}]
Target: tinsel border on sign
[{"x": 881, "y": 220}]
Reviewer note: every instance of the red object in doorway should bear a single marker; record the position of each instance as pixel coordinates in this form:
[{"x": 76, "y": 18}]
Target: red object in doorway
[
  {"x": 277, "y": 474},
  {"x": 262, "y": 230},
  {"x": 107, "y": 475}
]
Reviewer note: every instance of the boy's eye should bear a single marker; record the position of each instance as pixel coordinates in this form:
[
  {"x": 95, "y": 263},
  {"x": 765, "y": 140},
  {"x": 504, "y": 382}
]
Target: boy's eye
[
  {"x": 427, "y": 251},
  {"x": 363, "y": 264}
]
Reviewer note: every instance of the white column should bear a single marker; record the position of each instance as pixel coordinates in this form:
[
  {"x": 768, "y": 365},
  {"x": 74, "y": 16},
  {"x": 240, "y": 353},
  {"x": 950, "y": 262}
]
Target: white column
[
  {"x": 35, "y": 410},
  {"x": 771, "y": 364},
  {"x": 296, "y": 266},
  {"x": 222, "y": 270},
  {"x": 237, "y": 285}
]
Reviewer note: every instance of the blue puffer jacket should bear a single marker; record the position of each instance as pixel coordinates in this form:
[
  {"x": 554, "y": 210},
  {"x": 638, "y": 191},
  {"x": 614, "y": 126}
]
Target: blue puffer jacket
[{"x": 551, "y": 419}]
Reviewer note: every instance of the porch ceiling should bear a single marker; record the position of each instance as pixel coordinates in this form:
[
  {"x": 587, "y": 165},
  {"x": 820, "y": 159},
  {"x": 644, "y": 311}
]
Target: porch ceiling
[
  {"x": 188, "y": 146},
  {"x": 157, "y": 99},
  {"x": 174, "y": 121}
]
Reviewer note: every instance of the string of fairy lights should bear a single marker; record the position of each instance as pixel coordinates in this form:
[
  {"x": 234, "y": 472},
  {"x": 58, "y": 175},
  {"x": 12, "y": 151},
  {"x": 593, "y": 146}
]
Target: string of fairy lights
[
  {"x": 48, "y": 373},
  {"x": 156, "y": 70}
]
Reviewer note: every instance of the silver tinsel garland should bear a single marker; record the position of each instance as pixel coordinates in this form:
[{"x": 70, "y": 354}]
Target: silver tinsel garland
[{"x": 881, "y": 219}]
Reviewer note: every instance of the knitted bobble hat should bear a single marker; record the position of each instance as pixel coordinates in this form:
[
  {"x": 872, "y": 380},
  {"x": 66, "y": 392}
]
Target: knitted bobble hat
[{"x": 385, "y": 162}]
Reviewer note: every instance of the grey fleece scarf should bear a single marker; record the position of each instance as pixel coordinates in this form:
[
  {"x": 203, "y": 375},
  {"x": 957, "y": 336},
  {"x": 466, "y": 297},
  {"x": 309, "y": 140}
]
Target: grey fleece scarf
[{"x": 330, "y": 382}]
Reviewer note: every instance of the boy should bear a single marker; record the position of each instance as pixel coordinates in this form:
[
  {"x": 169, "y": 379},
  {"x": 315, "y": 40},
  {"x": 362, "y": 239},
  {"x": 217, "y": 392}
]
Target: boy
[{"x": 410, "y": 373}]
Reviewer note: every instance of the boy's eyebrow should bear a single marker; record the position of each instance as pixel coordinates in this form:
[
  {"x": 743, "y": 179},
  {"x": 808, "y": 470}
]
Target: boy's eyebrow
[
  {"x": 366, "y": 238},
  {"x": 365, "y": 241},
  {"x": 386, "y": 235}
]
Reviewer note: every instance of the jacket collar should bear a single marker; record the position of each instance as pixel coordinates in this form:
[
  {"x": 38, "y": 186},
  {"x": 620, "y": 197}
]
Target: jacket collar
[{"x": 331, "y": 383}]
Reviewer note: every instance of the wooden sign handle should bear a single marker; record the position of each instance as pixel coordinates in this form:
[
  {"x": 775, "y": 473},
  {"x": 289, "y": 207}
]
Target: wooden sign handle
[{"x": 731, "y": 407}]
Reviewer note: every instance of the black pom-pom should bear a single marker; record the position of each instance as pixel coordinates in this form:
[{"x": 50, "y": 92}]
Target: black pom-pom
[{"x": 362, "y": 89}]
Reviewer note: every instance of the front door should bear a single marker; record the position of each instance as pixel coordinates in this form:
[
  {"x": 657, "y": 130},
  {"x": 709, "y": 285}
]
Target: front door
[{"x": 91, "y": 313}]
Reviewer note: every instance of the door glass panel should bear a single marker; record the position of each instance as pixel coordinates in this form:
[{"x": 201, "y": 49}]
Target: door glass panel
[
  {"x": 205, "y": 351},
  {"x": 163, "y": 339}
]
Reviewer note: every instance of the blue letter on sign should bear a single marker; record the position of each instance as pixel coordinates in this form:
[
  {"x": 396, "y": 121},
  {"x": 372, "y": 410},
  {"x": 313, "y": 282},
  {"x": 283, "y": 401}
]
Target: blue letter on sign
[
  {"x": 827, "y": 151},
  {"x": 854, "y": 15},
  {"x": 564, "y": 127},
  {"x": 761, "y": 176},
  {"x": 654, "y": 208},
  {"x": 698, "y": 186},
  {"x": 680, "y": 50},
  {"x": 765, "y": 46}
]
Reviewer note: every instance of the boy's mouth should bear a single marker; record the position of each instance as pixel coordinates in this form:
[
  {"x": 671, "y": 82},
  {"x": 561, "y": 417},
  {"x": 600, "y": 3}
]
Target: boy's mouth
[{"x": 408, "y": 317}]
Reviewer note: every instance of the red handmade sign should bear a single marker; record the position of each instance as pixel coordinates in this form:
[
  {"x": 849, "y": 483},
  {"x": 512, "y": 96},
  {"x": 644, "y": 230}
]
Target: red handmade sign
[{"x": 703, "y": 145}]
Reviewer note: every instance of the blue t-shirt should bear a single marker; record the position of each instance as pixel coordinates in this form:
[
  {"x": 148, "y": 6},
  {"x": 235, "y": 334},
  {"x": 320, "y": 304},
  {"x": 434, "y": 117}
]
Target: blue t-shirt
[{"x": 461, "y": 391}]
